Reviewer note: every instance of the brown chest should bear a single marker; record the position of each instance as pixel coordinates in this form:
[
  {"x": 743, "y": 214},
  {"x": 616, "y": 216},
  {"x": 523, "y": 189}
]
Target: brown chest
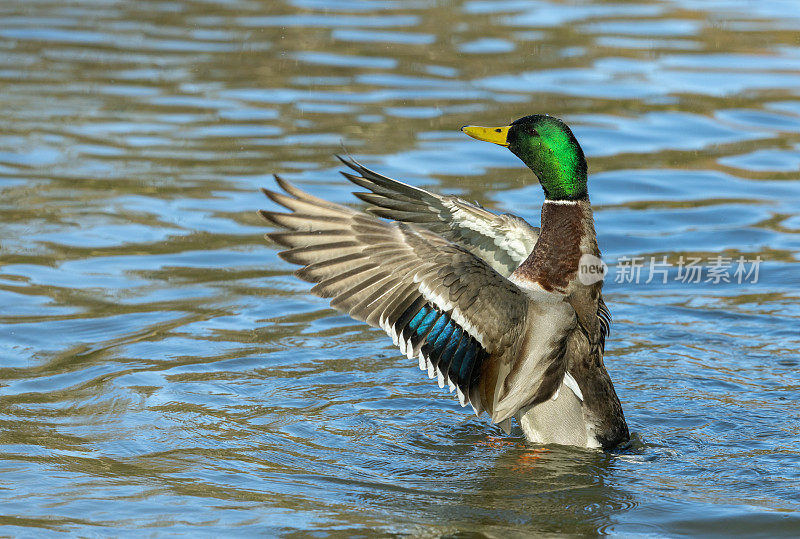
[{"x": 567, "y": 232}]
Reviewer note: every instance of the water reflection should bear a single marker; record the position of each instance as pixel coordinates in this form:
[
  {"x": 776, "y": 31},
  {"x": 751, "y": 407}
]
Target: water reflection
[{"x": 554, "y": 490}]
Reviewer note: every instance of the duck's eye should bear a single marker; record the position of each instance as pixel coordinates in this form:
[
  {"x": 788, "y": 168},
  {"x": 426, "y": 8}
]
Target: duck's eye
[{"x": 532, "y": 132}]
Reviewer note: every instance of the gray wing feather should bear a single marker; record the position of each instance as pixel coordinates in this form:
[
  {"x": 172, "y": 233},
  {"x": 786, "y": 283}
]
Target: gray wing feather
[
  {"x": 503, "y": 241},
  {"x": 376, "y": 271}
]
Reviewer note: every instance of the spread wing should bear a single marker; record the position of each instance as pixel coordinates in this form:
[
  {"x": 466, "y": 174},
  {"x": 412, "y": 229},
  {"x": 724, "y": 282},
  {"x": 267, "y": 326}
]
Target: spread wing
[
  {"x": 437, "y": 300},
  {"x": 503, "y": 241}
]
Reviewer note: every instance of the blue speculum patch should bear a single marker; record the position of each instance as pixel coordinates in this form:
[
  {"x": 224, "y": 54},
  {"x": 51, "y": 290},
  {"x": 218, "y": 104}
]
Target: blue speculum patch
[{"x": 444, "y": 343}]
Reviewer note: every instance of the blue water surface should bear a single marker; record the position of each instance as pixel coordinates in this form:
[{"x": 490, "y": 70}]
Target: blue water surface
[{"x": 163, "y": 373}]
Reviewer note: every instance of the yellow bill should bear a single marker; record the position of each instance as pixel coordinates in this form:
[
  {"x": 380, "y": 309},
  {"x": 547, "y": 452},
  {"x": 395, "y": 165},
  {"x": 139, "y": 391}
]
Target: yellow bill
[{"x": 496, "y": 135}]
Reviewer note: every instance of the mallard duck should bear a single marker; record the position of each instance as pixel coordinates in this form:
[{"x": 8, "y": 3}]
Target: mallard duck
[{"x": 489, "y": 305}]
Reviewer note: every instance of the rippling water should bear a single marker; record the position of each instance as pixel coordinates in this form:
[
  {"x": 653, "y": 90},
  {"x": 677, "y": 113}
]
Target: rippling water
[{"x": 162, "y": 371}]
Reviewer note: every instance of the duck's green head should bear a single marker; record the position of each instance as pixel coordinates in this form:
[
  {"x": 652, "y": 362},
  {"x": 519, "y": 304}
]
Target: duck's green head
[{"x": 548, "y": 147}]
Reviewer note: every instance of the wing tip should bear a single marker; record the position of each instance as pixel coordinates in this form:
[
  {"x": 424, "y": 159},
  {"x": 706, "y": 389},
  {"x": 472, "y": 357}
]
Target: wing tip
[
  {"x": 268, "y": 216},
  {"x": 505, "y": 425},
  {"x": 291, "y": 189},
  {"x": 350, "y": 162},
  {"x": 500, "y": 415},
  {"x": 283, "y": 184},
  {"x": 276, "y": 197},
  {"x": 278, "y": 238},
  {"x": 303, "y": 274}
]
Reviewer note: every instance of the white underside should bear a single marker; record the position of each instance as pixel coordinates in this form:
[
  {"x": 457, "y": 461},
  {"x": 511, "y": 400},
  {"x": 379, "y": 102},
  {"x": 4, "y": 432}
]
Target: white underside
[{"x": 559, "y": 420}]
